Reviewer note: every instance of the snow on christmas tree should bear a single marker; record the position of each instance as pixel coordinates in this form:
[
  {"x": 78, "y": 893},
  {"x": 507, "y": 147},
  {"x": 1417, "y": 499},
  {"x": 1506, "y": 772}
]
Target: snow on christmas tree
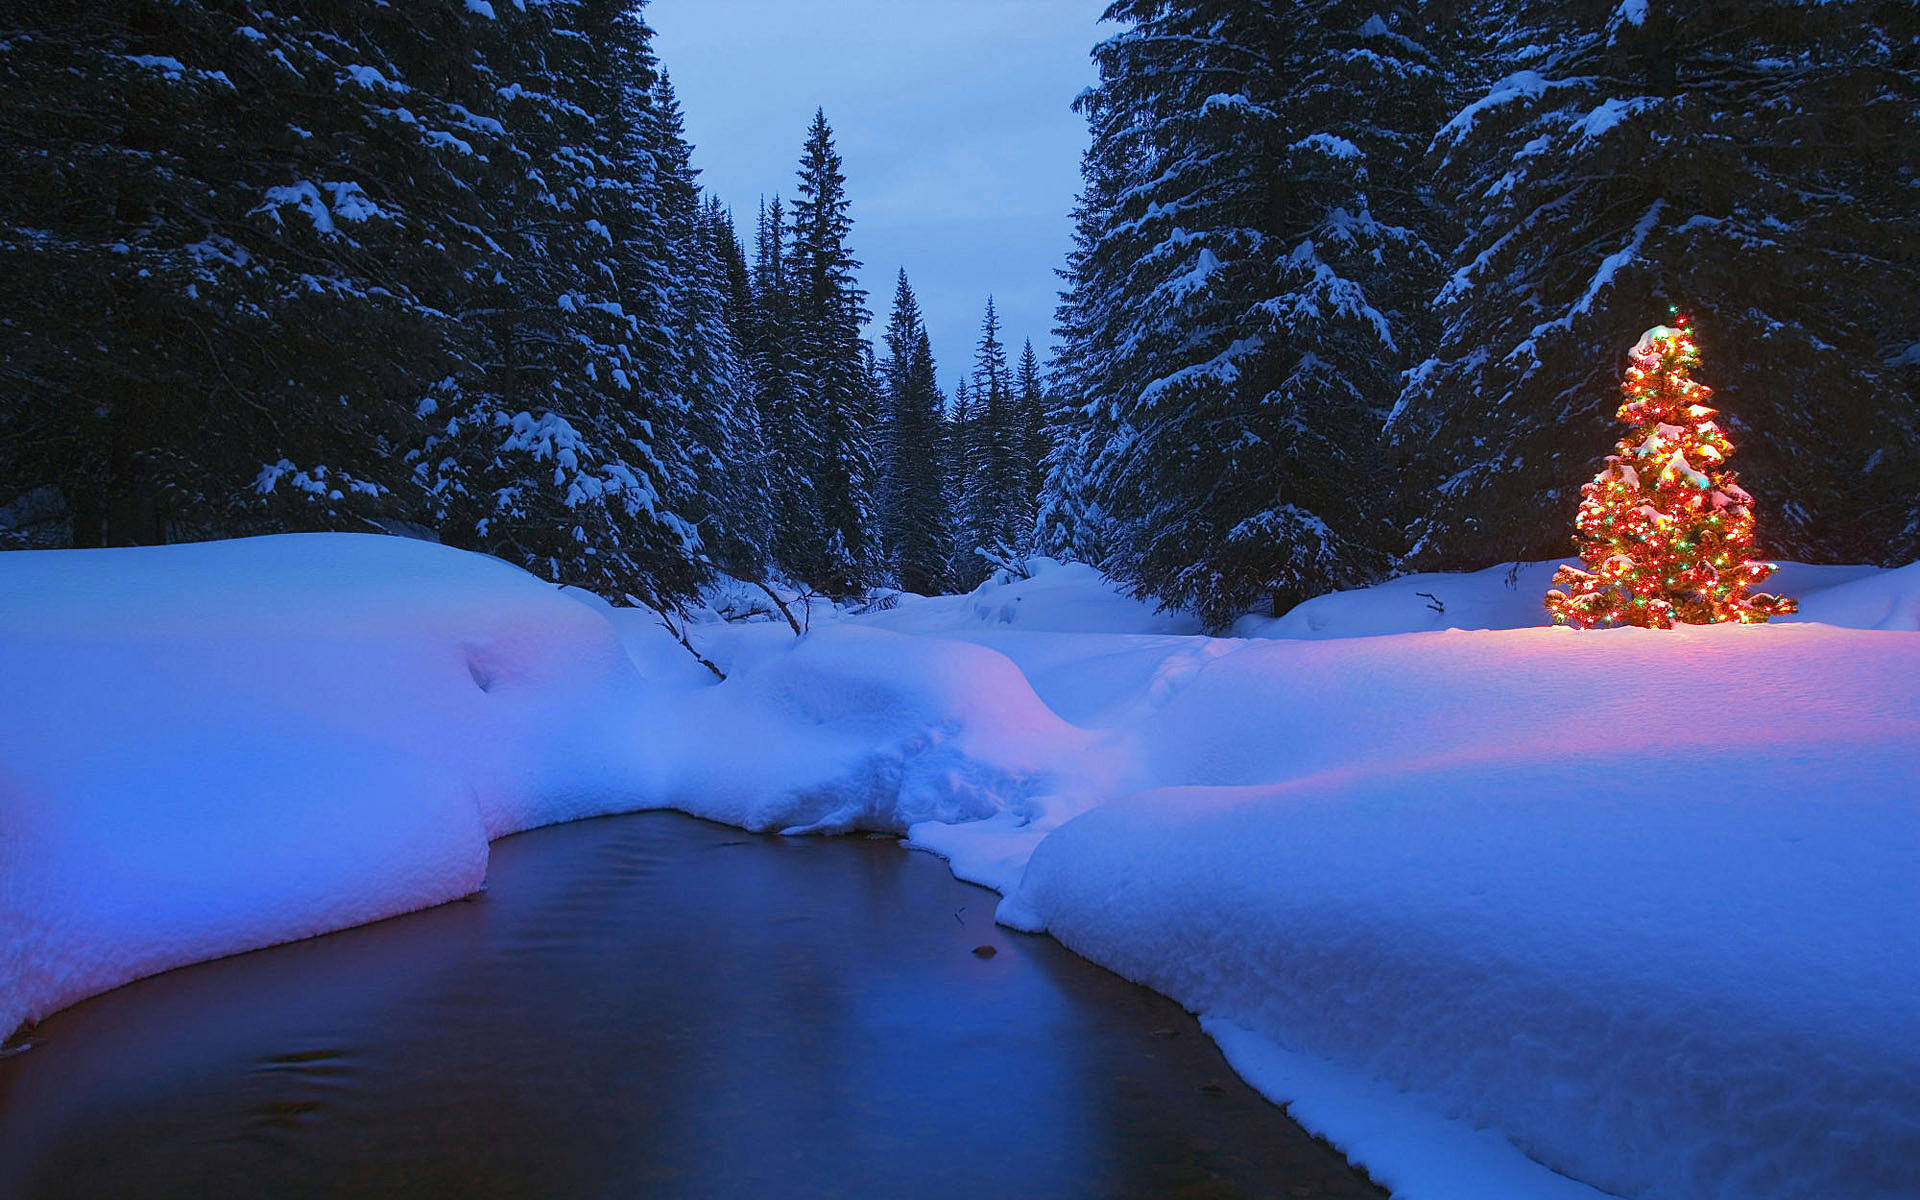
[{"x": 1664, "y": 529}]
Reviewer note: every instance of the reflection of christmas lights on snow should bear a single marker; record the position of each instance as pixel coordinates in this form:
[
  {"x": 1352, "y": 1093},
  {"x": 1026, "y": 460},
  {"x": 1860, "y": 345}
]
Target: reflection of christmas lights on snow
[{"x": 1666, "y": 542}]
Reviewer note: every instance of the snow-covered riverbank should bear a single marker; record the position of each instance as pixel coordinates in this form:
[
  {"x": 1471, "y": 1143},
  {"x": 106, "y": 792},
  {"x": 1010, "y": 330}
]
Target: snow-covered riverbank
[{"x": 1638, "y": 906}]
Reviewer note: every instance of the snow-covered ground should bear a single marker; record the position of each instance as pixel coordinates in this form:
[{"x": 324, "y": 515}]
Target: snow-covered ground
[{"x": 1501, "y": 910}]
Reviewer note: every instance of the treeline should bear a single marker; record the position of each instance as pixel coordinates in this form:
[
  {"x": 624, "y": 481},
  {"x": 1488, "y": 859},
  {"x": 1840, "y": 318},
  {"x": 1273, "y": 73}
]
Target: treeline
[
  {"x": 1353, "y": 283},
  {"x": 1350, "y": 294},
  {"x": 447, "y": 266}
]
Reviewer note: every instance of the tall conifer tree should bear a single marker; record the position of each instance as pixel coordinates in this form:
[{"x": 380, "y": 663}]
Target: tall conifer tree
[
  {"x": 993, "y": 482},
  {"x": 1030, "y": 410},
  {"x": 964, "y": 567},
  {"x": 1239, "y": 291},
  {"x": 915, "y": 511},
  {"x": 792, "y": 440},
  {"x": 832, "y": 380}
]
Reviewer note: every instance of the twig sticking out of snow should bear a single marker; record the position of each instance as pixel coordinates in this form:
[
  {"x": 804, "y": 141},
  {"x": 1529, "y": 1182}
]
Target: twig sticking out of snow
[
  {"x": 680, "y": 635},
  {"x": 784, "y": 610}
]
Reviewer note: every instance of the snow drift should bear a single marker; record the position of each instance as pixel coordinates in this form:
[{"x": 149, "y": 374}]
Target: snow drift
[
  {"x": 1643, "y": 902},
  {"x": 1504, "y": 912},
  {"x": 856, "y": 728},
  {"x": 213, "y": 747},
  {"x": 207, "y": 748}
]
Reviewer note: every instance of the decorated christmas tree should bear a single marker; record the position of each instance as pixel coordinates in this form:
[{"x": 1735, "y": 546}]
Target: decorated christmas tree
[{"x": 1664, "y": 530}]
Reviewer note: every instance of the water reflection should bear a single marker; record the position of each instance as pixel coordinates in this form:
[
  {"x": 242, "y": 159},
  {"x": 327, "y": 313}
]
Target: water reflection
[{"x": 651, "y": 1006}]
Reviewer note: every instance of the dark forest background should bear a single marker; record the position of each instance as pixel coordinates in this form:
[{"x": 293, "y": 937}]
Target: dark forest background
[{"x": 1351, "y": 292}]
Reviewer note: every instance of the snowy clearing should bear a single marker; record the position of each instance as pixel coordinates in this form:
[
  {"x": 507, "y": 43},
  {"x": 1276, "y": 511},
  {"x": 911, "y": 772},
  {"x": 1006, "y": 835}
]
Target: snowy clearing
[{"x": 1494, "y": 909}]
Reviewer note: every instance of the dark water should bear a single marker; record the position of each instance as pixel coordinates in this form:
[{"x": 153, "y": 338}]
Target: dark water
[{"x": 651, "y": 1006}]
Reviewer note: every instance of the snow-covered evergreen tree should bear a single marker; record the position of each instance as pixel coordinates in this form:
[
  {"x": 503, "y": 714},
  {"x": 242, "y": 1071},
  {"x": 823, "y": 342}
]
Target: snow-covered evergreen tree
[
  {"x": 1069, "y": 523},
  {"x": 1750, "y": 161},
  {"x": 1030, "y": 422},
  {"x": 409, "y": 265},
  {"x": 914, "y": 508},
  {"x": 792, "y": 438},
  {"x": 741, "y": 497},
  {"x": 564, "y": 461},
  {"x": 832, "y": 379},
  {"x": 990, "y": 499},
  {"x": 707, "y": 369},
  {"x": 213, "y": 218},
  {"x": 1237, "y": 304},
  {"x": 964, "y": 567}
]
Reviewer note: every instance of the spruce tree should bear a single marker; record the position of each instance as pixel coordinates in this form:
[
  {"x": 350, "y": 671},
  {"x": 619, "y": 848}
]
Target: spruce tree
[
  {"x": 1030, "y": 411},
  {"x": 1239, "y": 294},
  {"x": 993, "y": 482},
  {"x": 720, "y": 441},
  {"x": 964, "y": 567},
  {"x": 408, "y": 264},
  {"x": 914, "y": 512},
  {"x": 792, "y": 438},
  {"x": 1070, "y": 524},
  {"x": 832, "y": 381},
  {"x": 211, "y": 218},
  {"x": 741, "y": 495},
  {"x": 564, "y": 462}
]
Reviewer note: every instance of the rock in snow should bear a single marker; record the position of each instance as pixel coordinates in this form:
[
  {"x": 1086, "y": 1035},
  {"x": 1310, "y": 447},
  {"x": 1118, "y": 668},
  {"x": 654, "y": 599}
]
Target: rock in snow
[{"x": 1503, "y": 912}]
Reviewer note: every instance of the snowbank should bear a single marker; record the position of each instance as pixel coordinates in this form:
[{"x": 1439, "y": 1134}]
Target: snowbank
[
  {"x": 1857, "y": 597},
  {"x": 1057, "y": 597},
  {"x": 856, "y": 728},
  {"x": 208, "y": 748},
  {"x": 214, "y": 747},
  {"x": 1512, "y": 912},
  {"x": 1509, "y": 597},
  {"x": 1677, "y": 975},
  {"x": 1491, "y": 909}
]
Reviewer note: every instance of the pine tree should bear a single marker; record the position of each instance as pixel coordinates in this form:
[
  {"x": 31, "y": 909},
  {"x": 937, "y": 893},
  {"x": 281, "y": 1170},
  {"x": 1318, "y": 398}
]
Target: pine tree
[
  {"x": 792, "y": 439},
  {"x": 1238, "y": 297},
  {"x": 832, "y": 380},
  {"x": 1070, "y": 524},
  {"x": 564, "y": 462},
  {"x": 410, "y": 264},
  {"x": 914, "y": 512},
  {"x": 1751, "y": 161},
  {"x": 211, "y": 219},
  {"x": 720, "y": 442},
  {"x": 964, "y": 567},
  {"x": 742, "y": 494},
  {"x": 1063, "y": 526},
  {"x": 991, "y": 495},
  {"x": 1664, "y": 528},
  {"x": 1030, "y": 410}
]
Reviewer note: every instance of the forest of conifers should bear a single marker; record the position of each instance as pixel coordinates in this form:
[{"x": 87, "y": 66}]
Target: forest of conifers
[{"x": 1351, "y": 291}]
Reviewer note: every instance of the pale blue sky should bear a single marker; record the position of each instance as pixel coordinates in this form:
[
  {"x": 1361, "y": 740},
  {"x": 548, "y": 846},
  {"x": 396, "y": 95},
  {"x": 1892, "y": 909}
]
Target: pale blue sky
[{"x": 962, "y": 153}]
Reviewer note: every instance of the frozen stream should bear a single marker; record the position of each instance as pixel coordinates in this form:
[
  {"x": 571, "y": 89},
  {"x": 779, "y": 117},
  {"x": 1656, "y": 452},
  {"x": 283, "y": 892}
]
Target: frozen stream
[{"x": 651, "y": 1005}]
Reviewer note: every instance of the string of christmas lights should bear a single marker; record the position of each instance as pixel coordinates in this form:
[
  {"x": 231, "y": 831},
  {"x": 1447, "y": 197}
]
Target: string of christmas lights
[{"x": 1664, "y": 529}]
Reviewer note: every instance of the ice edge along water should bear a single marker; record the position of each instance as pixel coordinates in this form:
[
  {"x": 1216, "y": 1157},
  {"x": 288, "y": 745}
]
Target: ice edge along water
[{"x": 1415, "y": 881}]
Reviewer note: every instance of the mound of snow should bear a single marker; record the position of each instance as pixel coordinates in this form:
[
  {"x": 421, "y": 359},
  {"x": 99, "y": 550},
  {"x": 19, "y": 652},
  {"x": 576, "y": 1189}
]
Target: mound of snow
[
  {"x": 1644, "y": 901},
  {"x": 212, "y": 747},
  {"x": 1863, "y": 599},
  {"x": 1056, "y": 598},
  {"x": 1504, "y": 597},
  {"x": 854, "y": 728},
  {"x": 1512, "y": 597},
  {"x": 208, "y": 748},
  {"x": 1640, "y": 906}
]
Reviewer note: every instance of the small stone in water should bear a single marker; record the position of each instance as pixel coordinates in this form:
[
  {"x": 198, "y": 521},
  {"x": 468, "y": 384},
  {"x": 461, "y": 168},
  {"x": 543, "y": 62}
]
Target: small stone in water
[{"x": 984, "y": 952}]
